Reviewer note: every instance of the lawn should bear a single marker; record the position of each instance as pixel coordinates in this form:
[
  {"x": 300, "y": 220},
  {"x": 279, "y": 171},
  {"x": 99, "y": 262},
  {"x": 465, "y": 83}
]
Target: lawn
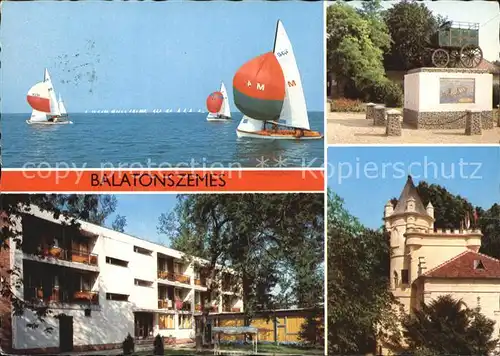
[{"x": 262, "y": 348}]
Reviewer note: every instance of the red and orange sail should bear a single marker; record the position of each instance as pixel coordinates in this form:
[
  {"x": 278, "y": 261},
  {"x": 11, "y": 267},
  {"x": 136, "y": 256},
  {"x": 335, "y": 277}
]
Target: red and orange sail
[
  {"x": 259, "y": 88},
  {"x": 214, "y": 102},
  {"x": 39, "y": 98}
]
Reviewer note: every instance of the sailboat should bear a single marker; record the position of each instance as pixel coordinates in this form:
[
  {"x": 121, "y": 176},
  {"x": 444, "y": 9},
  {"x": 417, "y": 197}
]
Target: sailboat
[
  {"x": 268, "y": 91},
  {"x": 218, "y": 105},
  {"x": 47, "y": 110}
]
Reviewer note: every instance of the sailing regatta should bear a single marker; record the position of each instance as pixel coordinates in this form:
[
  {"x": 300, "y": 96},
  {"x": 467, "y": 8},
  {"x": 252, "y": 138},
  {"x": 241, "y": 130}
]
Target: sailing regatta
[
  {"x": 268, "y": 91},
  {"x": 46, "y": 108},
  {"x": 218, "y": 105}
]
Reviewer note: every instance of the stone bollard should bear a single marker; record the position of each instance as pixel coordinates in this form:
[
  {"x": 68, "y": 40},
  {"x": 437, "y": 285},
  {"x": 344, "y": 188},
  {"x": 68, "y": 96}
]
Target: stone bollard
[
  {"x": 393, "y": 125},
  {"x": 473, "y": 123},
  {"x": 379, "y": 115},
  {"x": 370, "y": 111}
]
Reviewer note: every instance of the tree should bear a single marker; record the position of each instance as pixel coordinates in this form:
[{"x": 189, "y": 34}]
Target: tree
[
  {"x": 69, "y": 206},
  {"x": 448, "y": 327},
  {"x": 258, "y": 236},
  {"x": 410, "y": 25},
  {"x": 359, "y": 300},
  {"x": 119, "y": 223},
  {"x": 355, "y": 46}
]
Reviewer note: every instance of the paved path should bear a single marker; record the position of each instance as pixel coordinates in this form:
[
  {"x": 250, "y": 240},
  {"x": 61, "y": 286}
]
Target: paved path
[{"x": 353, "y": 128}]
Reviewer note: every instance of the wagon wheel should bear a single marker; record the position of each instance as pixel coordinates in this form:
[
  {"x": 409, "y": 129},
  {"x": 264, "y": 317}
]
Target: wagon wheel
[
  {"x": 454, "y": 59},
  {"x": 440, "y": 58},
  {"x": 471, "y": 56}
]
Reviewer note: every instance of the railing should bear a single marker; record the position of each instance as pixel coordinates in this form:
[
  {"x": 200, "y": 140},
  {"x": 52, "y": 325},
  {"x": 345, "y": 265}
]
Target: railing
[
  {"x": 164, "y": 304},
  {"x": 57, "y": 295},
  {"x": 70, "y": 255},
  {"x": 174, "y": 277},
  {"x": 200, "y": 282}
]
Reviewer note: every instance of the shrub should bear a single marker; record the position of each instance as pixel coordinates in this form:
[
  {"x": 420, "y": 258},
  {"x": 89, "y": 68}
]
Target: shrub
[
  {"x": 387, "y": 92},
  {"x": 128, "y": 345},
  {"x": 347, "y": 105},
  {"x": 159, "y": 347}
]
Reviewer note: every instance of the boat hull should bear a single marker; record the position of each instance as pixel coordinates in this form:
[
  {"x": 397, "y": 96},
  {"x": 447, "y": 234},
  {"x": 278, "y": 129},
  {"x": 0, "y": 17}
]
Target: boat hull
[
  {"x": 219, "y": 119},
  {"x": 279, "y": 135},
  {"x": 29, "y": 122}
]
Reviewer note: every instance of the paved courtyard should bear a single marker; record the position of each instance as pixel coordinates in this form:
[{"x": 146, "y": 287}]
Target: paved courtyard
[{"x": 353, "y": 128}]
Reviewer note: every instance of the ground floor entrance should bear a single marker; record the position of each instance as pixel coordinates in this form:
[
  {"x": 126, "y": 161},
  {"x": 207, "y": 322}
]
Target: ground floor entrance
[
  {"x": 143, "y": 325},
  {"x": 65, "y": 333}
]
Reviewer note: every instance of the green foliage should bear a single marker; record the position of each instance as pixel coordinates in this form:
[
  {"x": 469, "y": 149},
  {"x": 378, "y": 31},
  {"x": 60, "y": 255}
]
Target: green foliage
[
  {"x": 410, "y": 25},
  {"x": 347, "y": 105},
  {"x": 448, "y": 327},
  {"x": 359, "y": 299},
  {"x": 119, "y": 223},
  {"x": 269, "y": 240},
  {"x": 388, "y": 93},
  {"x": 159, "y": 347},
  {"x": 355, "y": 46},
  {"x": 313, "y": 329},
  {"x": 489, "y": 222},
  {"x": 128, "y": 345}
]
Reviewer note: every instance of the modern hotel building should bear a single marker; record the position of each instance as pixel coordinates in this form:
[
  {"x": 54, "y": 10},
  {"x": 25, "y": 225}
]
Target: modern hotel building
[{"x": 103, "y": 285}]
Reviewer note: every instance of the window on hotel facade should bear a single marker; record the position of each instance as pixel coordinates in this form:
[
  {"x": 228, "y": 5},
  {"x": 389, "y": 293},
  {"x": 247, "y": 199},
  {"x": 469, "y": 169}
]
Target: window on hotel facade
[
  {"x": 116, "y": 262},
  {"x": 142, "y": 283},
  {"x": 166, "y": 321},
  {"x": 117, "y": 297},
  {"x": 142, "y": 251},
  {"x": 185, "y": 321}
]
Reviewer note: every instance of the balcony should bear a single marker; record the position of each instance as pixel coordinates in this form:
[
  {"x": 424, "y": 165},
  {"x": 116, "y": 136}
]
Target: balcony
[
  {"x": 70, "y": 255},
  {"x": 174, "y": 277},
  {"x": 165, "y": 304},
  {"x": 200, "y": 282},
  {"x": 56, "y": 295}
]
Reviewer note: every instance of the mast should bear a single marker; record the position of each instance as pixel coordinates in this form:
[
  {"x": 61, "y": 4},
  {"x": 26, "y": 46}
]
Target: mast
[{"x": 276, "y": 35}]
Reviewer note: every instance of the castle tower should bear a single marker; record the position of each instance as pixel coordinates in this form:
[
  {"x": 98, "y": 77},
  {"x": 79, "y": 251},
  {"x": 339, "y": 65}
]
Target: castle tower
[
  {"x": 408, "y": 214},
  {"x": 415, "y": 246}
]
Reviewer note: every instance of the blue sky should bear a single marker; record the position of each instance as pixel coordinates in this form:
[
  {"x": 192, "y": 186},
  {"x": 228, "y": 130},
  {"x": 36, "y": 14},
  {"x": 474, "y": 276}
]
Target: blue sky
[
  {"x": 486, "y": 13},
  {"x": 142, "y": 212},
  {"x": 367, "y": 177},
  {"x": 151, "y": 55}
]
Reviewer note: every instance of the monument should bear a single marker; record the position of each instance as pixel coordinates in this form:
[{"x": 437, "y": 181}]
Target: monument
[{"x": 439, "y": 98}]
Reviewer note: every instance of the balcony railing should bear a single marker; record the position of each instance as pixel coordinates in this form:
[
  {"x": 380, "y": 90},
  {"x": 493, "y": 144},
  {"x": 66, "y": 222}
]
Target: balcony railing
[
  {"x": 70, "y": 255},
  {"x": 57, "y": 295},
  {"x": 174, "y": 277},
  {"x": 165, "y": 304},
  {"x": 200, "y": 282}
]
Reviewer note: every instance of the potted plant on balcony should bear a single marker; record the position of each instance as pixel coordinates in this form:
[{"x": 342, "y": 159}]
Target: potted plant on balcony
[{"x": 54, "y": 250}]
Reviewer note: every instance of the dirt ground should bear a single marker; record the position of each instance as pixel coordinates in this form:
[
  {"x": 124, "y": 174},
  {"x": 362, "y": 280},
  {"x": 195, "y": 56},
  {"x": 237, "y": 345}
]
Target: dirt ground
[{"x": 353, "y": 128}]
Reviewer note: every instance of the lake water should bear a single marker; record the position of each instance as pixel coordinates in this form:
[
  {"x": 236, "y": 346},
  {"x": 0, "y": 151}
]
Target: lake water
[{"x": 150, "y": 140}]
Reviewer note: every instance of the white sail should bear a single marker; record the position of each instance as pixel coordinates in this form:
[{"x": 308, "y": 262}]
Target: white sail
[
  {"x": 62, "y": 108},
  {"x": 54, "y": 105},
  {"x": 184, "y": 110},
  {"x": 247, "y": 124},
  {"x": 179, "y": 110},
  {"x": 294, "y": 111},
  {"x": 225, "y": 109},
  {"x": 38, "y": 116}
]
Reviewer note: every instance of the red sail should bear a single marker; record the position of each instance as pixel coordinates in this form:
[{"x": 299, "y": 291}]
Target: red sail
[
  {"x": 214, "y": 102},
  {"x": 259, "y": 88}
]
